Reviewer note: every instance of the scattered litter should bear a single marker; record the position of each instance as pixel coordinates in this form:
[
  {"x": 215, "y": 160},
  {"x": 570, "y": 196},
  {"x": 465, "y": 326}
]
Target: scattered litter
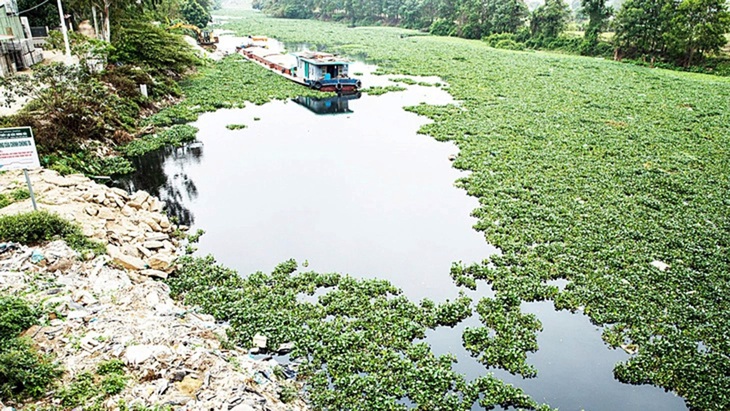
[
  {"x": 36, "y": 257},
  {"x": 259, "y": 341},
  {"x": 661, "y": 265},
  {"x": 98, "y": 311},
  {"x": 630, "y": 349}
]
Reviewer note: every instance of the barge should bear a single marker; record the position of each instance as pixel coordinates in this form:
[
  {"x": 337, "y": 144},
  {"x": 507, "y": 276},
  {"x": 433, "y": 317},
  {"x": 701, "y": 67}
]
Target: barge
[{"x": 316, "y": 70}]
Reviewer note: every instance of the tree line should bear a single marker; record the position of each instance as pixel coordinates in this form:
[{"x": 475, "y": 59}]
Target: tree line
[
  {"x": 679, "y": 31},
  {"x": 114, "y": 12}
]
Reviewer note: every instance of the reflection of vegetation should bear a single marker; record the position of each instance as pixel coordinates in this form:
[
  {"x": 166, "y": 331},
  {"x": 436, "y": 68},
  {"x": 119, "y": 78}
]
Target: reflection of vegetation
[
  {"x": 590, "y": 171},
  {"x": 360, "y": 337},
  {"x": 154, "y": 179}
]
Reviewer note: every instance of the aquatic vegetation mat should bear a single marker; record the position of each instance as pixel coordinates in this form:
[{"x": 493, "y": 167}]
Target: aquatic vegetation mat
[
  {"x": 229, "y": 83},
  {"x": 611, "y": 176},
  {"x": 360, "y": 338},
  {"x": 379, "y": 91}
]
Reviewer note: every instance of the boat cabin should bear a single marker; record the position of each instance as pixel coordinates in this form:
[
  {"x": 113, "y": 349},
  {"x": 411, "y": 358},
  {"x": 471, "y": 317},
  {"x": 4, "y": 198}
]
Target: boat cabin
[
  {"x": 320, "y": 66},
  {"x": 324, "y": 71}
]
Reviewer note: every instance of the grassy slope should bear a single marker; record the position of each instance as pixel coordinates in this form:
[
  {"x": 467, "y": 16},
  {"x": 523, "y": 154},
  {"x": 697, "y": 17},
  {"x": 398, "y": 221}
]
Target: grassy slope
[{"x": 587, "y": 170}]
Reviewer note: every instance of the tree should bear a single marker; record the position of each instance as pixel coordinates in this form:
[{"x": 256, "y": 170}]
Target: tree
[
  {"x": 698, "y": 27},
  {"x": 195, "y": 14},
  {"x": 40, "y": 15},
  {"x": 641, "y": 26},
  {"x": 597, "y": 13},
  {"x": 549, "y": 20},
  {"x": 504, "y": 16}
]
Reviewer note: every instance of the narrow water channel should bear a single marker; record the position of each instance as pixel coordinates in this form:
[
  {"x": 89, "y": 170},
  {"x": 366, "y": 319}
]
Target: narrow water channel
[{"x": 349, "y": 186}]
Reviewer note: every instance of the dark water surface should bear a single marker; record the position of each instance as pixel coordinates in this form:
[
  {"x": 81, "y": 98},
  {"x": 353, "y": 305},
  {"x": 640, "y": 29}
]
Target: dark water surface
[{"x": 350, "y": 187}]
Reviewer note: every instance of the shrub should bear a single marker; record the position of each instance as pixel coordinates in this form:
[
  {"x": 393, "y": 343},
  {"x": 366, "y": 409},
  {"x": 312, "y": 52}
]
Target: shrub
[
  {"x": 69, "y": 105},
  {"x": 506, "y": 41},
  {"x": 88, "y": 388},
  {"x": 509, "y": 45},
  {"x": 79, "y": 392},
  {"x": 443, "y": 28},
  {"x": 113, "y": 384},
  {"x": 113, "y": 366},
  {"x": 16, "y": 195},
  {"x": 38, "y": 226},
  {"x": 160, "y": 51},
  {"x": 24, "y": 371},
  {"x": 15, "y": 317},
  {"x": 495, "y": 38}
]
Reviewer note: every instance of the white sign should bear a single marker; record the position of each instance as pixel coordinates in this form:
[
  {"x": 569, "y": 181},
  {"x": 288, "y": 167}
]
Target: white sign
[{"x": 17, "y": 149}]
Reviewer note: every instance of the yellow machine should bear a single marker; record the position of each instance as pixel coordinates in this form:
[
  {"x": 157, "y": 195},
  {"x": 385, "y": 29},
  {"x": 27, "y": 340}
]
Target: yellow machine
[{"x": 204, "y": 37}]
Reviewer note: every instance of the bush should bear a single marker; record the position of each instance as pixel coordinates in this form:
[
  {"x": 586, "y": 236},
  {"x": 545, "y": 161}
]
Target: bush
[
  {"x": 24, "y": 371},
  {"x": 16, "y": 316},
  {"x": 509, "y": 45},
  {"x": 39, "y": 226},
  {"x": 443, "y": 28},
  {"x": 507, "y": 41},
  {"x": 495, "y": 38},
  {"x": 69, "y": 106},
  {"x": 470, "y": 31},
  {"x": 160, "y": 51},
  {"x": 88, "y": 388}
]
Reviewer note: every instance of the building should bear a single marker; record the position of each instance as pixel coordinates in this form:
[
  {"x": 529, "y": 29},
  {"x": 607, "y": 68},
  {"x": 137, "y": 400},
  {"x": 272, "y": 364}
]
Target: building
[{"x": 17, "y": 51}]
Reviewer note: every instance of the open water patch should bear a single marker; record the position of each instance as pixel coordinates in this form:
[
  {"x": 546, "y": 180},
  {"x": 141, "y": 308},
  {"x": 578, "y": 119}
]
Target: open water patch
[{"x": 348, "y": 185}]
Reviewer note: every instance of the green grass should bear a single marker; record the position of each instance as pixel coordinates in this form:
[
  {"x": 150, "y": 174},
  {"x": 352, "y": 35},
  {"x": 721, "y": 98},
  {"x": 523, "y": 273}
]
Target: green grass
[
  {"x": 588, "y": 170},
  {"x": 19, "y": 194}
]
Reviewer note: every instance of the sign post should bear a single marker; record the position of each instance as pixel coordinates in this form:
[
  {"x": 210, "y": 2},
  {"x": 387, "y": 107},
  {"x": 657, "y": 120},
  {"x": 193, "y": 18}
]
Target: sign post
[{"x": 17, "y": 150}]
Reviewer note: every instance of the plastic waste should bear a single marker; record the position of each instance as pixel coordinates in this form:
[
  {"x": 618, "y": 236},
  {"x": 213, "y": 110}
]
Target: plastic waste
[{"x": 36, "y": 257}]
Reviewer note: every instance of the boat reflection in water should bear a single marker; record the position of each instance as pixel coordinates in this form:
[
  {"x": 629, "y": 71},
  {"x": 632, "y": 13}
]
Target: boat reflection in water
[{"x": 328, "y": 105}]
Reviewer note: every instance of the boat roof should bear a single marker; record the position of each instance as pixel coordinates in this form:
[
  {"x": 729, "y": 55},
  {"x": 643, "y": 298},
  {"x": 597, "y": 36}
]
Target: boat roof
[
  {"x": 321, "y": 59},
  {"x": 262, "y": 52},
  {"x": 283, "y": 60}
]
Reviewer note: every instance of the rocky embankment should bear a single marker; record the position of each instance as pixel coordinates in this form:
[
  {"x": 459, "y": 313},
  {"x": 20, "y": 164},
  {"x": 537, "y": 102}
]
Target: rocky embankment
[{"x": 114, "y": 307}]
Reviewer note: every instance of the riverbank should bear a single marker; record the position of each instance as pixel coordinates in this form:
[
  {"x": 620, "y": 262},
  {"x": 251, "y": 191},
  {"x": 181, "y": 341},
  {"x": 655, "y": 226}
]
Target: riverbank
[{"x": 101, "y": 308}]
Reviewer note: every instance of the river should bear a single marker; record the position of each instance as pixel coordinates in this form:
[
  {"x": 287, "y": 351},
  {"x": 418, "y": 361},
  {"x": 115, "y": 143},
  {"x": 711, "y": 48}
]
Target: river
[{"x": 350, "y": 186}]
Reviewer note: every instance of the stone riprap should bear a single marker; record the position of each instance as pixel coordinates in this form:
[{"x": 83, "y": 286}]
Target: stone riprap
[{"x": 111, "y": 306}]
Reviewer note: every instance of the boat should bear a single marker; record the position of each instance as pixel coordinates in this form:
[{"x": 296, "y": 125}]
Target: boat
[{"x": 314, "y": 69}]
